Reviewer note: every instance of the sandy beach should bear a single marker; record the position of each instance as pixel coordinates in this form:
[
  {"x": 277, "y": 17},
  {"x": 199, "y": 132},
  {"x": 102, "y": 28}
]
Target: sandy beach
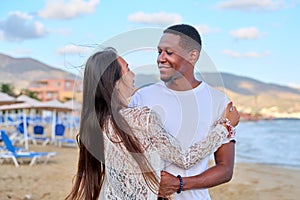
[{"x": 54, "y": 179}]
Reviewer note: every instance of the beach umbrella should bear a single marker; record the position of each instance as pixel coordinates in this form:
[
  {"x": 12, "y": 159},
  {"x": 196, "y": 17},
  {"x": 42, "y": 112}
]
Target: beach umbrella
[
  {"x": 35, "y": 103},
  {"x": 23, "y": 107},
  {"x": 5, "y": 99},
  {"x": 27, "y": 99},
  {"x": 76, "y": 106},
  {"x": 55, "y": 106}
]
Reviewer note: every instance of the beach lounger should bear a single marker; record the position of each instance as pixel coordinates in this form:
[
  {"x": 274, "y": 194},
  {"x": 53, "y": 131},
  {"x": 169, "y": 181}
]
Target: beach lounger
[
  {"x": 15, "y": 155},
  {"x": 40, "y": 135},
  {"x": 60, "y": 138}
]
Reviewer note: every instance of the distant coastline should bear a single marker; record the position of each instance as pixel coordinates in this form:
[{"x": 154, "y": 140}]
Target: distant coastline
[{"x": 256, "y": 117}]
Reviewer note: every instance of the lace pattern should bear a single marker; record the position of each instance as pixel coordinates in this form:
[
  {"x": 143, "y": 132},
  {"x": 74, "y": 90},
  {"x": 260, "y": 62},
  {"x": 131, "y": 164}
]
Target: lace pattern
[{"x": 123, "y": 176}]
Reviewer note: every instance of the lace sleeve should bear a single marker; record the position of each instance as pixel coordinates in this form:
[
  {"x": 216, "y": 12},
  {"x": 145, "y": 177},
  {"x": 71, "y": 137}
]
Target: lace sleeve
[
  {"x": 152, "y": 135},
  {"x": 170, "y": 149}
]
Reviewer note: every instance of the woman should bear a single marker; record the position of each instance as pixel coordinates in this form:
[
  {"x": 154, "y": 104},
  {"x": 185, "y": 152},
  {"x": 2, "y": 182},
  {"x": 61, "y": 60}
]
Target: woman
[{"x": 121, "y": 148}]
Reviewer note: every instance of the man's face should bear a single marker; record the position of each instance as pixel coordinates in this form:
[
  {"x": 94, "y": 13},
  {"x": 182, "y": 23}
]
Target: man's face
[{"x": 171, "y": 59}]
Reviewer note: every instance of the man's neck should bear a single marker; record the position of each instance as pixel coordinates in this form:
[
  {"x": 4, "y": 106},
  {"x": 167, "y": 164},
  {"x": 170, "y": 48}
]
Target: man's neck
[{"x": 183, "y": 84}]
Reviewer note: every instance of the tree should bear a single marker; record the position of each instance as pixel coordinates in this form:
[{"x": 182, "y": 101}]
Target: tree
[
  {"x": 8, "y": 89},
  {"x": 31, "y": 94}
]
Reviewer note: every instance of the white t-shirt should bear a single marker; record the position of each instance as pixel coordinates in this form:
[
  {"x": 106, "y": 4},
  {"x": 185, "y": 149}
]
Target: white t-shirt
[{"x": 188, "y": 115}]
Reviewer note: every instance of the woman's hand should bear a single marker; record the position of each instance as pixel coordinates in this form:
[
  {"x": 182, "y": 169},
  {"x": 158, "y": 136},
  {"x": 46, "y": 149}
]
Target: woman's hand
[{"x": 232, "y": 114}]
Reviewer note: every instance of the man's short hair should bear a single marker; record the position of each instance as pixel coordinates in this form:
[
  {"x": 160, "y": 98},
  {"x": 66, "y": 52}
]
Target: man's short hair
[{"x": 189, "y": 36}]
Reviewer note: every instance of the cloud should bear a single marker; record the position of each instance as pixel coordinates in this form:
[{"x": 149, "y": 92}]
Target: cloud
[
  {"x": 205, "y": 29},
  {"x": 246, "y": 33},
  {"x": 160, "y": 18},
  {"x": 231, "y": 53},
  {"x": 59, "y": 9},
  {"x": 21, "y": 26},
  {"x": 245, "y": 55},
  {"x": 252, "y": 5},
  {"x": 21, "y": 51},
  {"x": 73, "y": 49},
  {"x": 62, "y": 31},
  {"x": 252, "y": 55},
  {"x": 1, "y": 34},
  {"x": 294, "y": 85}
]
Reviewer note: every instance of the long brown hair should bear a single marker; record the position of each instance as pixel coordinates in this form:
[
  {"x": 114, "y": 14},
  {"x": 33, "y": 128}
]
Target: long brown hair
[{"x": 101, "y": 104}]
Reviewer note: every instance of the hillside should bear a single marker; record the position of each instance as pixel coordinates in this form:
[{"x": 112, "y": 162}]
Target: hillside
[
  {"x": 20, "y": 71},
  {"x": 255, "y": 99},
  {"x": 251, "y": 96},
  {"x": 246, "y": 86}
]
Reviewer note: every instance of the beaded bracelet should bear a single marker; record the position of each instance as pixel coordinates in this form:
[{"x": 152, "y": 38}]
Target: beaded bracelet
[
  {"x": 180, "y": 184},
  {"x": 231, "y": 129}
]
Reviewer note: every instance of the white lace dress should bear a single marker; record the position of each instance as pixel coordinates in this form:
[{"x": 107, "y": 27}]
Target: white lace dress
[{"x": 123, "y": 177}]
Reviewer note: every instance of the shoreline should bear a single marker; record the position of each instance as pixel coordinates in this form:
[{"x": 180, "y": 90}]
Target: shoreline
[
  {"x": 247, "y": 117},
  {"x": 259, "y": 181},
  {"x": 53, "y": 181},
  {"x": 281, "y": 166}
]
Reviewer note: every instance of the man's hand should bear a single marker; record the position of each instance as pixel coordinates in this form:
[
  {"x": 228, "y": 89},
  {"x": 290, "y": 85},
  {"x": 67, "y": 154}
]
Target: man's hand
[{"x": 169, "y": 184}]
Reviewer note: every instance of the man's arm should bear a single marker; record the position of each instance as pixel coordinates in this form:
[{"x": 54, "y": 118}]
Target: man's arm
[{"x": 220, "y": 173}]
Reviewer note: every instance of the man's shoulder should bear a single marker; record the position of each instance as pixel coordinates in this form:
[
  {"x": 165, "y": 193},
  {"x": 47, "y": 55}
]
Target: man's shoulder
[
  {"x": 150, "y": 87},
  {"x": 145, "y": 95},
  {"x": 218, "y": 98},
  {"x": 216, "y": 93}
]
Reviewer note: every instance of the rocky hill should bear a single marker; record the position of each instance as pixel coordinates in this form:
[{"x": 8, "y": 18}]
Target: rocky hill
[
  {"x": 258, "y": 98},
  {"x": 255, "y": 99},
  {"x": 20, "y": 71},
  {"x": 252, "y": 97}
]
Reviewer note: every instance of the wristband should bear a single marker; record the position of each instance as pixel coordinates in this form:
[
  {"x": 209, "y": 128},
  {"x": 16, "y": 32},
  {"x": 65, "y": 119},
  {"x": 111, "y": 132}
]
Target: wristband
[
  {"x": 180, "y": 184},
  {"x": 230, "y": 128}
]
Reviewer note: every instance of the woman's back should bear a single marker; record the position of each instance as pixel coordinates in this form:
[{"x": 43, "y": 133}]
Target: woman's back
[{"x": 123, "y": 177}]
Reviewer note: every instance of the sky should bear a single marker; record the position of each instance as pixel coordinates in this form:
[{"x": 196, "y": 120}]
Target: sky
[{"x": 253, "y": 38}]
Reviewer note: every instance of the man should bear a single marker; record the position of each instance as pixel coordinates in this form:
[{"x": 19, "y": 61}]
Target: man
[{"x": 188, "y": 107}]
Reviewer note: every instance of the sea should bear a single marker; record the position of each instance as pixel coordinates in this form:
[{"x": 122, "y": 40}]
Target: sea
[{"x": 273, "y": 142}]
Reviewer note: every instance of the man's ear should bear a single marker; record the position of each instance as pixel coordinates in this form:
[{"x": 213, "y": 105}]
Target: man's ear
[{"x": 194, "y": 56}]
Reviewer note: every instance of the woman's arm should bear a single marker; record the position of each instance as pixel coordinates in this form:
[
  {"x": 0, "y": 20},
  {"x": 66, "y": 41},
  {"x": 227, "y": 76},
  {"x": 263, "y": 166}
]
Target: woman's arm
[
  {"x": 153, "y": 137},
  {"x": 169, "y": 147}
]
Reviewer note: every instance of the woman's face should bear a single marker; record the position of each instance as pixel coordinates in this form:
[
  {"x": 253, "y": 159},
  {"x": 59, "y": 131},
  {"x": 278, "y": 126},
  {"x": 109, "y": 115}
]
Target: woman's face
[{"x": 126, "y": 82}]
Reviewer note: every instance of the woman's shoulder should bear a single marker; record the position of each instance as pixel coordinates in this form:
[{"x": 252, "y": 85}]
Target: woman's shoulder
[
  {"x": 139, "y": 114},
  {"x": 137, "y": 110}
]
